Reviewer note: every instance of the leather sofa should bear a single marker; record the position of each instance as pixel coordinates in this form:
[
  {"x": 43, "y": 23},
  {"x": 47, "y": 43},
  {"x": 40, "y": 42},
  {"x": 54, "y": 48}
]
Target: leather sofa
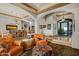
[{"x": 13, "y": 48}]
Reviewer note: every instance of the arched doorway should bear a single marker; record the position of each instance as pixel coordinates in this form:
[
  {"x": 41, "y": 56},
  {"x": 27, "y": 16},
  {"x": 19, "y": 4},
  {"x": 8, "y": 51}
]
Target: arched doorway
[{"x": 65, "y": 27}]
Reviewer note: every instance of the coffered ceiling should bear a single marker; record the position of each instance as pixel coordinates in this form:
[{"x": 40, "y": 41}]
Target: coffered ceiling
[
  {"x": 38, "y": 8},
  {"x": 23, "y": 10},
  {"x": 41, "y": 6}
]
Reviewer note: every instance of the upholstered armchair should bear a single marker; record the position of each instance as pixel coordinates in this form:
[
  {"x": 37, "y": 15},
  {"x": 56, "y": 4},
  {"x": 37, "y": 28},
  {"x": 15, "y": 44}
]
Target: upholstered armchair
[
  {"x": 39, "y": 39},
  {"x": 13, "y": 48}
]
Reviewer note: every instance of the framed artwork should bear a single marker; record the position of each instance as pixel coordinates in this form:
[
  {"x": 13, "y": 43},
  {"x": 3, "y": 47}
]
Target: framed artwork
[
  {"x": 44, "y": 26},
  {"x": 49, "y": 26},
  {"x": 33, "y": 29},
  {"x": 11, "y": 27},
  {"x": 25, "y": 25}
]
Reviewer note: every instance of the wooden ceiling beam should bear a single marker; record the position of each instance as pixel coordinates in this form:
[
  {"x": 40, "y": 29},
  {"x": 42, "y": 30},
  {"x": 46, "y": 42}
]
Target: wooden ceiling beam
[
  {"x": 10, "y": 15},
  {"x": 53, "y": 7},
  {"x": 64, "y": 14},
  {"x": 30, "y": 6},
  {"x": 14, "y": 16},
  {"x": 25, "y": 7}
]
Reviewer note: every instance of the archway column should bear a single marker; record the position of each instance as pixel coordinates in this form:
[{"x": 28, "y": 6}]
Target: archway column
[{"x": 37, "y": 28}]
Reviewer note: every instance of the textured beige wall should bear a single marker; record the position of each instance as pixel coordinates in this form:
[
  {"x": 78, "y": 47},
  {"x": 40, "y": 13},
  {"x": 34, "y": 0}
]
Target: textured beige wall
[{"x": 4, "y": 20}]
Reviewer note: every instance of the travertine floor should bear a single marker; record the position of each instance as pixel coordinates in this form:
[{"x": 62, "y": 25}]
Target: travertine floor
[{"x": 58, "y": 50}]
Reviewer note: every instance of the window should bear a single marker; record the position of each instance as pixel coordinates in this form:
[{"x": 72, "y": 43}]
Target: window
[{"x": 65, "y": 27}]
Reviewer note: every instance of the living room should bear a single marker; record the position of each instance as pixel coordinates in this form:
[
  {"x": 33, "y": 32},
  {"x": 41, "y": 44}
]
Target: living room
[{"x": 23, "y": 25}]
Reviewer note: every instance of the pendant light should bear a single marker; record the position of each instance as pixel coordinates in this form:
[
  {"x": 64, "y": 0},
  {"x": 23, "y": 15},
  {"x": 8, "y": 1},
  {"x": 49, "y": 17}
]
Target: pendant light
[{"x": 63, "y": 18}]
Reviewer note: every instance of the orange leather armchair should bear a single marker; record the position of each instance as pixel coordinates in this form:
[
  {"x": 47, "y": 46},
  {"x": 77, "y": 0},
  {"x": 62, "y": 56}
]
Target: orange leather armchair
[
  {"x": 37, "y": 41},
  {"x": 13, "y": 48}
]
